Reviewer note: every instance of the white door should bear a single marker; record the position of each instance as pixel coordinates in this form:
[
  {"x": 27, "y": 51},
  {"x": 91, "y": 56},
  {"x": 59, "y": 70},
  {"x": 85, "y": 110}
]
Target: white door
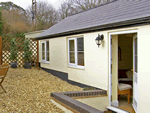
[{"x": 135, "y": 73}]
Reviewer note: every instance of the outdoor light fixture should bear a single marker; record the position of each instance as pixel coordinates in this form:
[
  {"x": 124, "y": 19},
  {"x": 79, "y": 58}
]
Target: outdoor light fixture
[{"x": 99, "y": 39}]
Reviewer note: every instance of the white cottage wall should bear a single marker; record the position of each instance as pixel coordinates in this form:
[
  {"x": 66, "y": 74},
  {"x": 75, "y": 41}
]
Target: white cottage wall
[
  {"x": 96, "y": 63},
  {"x": 58, "y": 55},
  {"x": 143, "y": 68},
  {"x": 96, "y": 60},
  {"x": 96, "y": 72}
]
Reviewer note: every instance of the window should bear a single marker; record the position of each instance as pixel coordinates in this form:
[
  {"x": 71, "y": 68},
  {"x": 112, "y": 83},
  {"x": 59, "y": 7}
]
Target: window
[
  {"x": 45, "y": 51},
  {"x": 76, "y": 52}
]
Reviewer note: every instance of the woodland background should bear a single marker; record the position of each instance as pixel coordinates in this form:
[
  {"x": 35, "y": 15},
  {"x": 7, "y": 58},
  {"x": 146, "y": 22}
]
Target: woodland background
[{"x": 15, "y": 20}]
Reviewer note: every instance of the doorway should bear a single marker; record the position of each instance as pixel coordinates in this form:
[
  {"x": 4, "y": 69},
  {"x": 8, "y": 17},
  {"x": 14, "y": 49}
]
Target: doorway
[{"x": 123, "y": 61}]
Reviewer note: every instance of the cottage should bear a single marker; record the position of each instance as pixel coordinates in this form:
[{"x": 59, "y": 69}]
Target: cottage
[{"x": 118, "y": 59}]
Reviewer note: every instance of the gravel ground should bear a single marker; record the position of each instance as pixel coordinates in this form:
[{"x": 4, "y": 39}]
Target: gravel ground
[{"x": 28, "y": 91}]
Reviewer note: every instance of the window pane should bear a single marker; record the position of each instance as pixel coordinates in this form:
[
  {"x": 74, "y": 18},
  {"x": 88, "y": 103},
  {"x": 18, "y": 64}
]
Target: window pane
[
  {"x": 43, "y": 46},
  {"x": 47, "y": 51},
  {"x": 136, "y": 62},
  {"x": 80, "y": 44},
  {"x": 47, "y": 46},
  {"x": 136, "y": 46},
  {"x": 71, "y": 45},
  {"x": 43, "y": 51},
  {"x": 81, "y": 58},
  {"x": 43, "y": 55},
  {"x": 47, "y": 56},
  {"x": 72, "y": 57}
]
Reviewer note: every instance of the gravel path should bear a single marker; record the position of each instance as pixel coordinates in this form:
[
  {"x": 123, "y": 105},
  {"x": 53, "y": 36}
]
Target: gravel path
[{"x": 28, "y": 91}]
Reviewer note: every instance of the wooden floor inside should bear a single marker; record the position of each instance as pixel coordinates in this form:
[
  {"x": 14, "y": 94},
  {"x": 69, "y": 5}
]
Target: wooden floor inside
[
  {"x": 123, "y": 104},
  {"x": 127, "y": 108}
]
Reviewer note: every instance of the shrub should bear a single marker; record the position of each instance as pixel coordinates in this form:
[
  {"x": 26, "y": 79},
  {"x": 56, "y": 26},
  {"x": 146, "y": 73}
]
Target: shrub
[
  {"x": 27, "y": 53},
  {"x": 13, "y": 50}
]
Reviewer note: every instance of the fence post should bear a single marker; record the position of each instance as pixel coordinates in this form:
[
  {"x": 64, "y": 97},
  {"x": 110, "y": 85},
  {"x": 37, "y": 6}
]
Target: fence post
[
  {"x": 37, "y": 53},
  {"x": 0, "y": 50}
]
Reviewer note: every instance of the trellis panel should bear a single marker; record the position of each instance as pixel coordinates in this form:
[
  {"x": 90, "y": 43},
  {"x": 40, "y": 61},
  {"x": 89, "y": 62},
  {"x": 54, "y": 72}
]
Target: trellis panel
[{"x": 20, "y": 61}]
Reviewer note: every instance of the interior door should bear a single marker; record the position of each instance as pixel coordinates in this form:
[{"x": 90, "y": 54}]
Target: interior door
[{"x": 135, "y": 73}]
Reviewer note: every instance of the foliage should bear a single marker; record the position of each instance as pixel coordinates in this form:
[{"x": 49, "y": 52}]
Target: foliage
[
  {"x": 13, "y": 50},
  {"x": 27, "y": 52},
  {"x": 17, "y": 20},
  {"x": 15, "y": 35},
  {"x": 46, "y": 15},
  {"x": 14, "y": 21},
  {"x": 20, "y": 35},
  {"x": 9, "y": 6},
  {"x": 13, "y": 18}
]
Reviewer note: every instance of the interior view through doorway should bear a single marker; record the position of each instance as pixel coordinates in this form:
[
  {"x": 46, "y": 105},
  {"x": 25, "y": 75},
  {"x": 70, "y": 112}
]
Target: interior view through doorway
[{"x": 122, "y": 72}]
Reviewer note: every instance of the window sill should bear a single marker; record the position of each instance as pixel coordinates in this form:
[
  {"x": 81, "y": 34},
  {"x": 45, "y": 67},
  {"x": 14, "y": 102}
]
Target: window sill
[
  {"x": 77, "y": 67},
  {"x": 45, "y": 62}
]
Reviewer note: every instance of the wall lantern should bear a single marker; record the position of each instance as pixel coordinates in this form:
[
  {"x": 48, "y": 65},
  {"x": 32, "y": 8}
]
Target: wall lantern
[{"x": 99, "y": 39}]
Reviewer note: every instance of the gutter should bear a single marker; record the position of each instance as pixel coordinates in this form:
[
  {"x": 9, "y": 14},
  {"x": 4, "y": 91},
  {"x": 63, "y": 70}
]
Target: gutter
[
  {"x": 33, "y": 32},
  {"x": 128, "y": 23}
]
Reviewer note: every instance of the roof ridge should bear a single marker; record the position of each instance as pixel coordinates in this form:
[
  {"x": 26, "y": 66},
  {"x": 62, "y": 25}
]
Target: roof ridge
[{"x": 94, "y": 7}]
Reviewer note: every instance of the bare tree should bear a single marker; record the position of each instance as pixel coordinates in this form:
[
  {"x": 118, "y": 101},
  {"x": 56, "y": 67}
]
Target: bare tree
[
  {"x": 70, "y": 7},
  {"x": 87, "y": 4},
  {"x": 46, "y": 15},
  {"x": 66, "y": 9},
  {"x": 9, "y": 6},
  {"x": 16, "y": 19}
]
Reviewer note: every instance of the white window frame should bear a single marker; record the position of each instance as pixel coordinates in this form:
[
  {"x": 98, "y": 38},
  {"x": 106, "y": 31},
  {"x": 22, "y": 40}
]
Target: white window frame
[
  {"x": 44, "y": 60},
  {"x": 75, "y": 65}
]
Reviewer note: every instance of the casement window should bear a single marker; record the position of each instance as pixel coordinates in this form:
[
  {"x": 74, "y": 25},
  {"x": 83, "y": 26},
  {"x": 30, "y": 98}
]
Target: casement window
[
  {"x": 45, "y": 51},
  {"x": 76, "y": 52}
]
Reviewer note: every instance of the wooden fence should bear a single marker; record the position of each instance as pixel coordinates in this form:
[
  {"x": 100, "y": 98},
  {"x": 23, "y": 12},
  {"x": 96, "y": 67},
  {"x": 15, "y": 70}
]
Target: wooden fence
[
  {"x": 5, "y": 51},
  {"x": 0, "y": 50}
]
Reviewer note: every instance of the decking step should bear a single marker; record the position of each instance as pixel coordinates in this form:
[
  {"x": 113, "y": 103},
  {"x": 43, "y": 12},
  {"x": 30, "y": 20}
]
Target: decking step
[{"x": 67, "y": 100}]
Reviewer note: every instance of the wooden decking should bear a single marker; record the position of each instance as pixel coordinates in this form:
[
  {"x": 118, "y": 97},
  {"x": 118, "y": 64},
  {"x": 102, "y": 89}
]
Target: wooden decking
[{"x": 127, "y": 108}]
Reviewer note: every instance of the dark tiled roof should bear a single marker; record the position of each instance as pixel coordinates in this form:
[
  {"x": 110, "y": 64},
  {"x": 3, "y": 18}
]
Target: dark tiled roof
[{"x": 113, "y": 12}]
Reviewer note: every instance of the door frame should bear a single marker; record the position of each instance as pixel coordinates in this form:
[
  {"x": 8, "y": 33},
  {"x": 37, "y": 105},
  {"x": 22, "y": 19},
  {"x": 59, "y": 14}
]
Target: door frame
[
  {"x": 110, "y": 79},
  {"x": 135, "y": 37}
]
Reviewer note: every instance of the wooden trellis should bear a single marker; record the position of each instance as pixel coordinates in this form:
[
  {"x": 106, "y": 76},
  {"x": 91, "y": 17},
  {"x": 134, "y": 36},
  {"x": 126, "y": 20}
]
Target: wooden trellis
[{"x": 20, "y": 41}]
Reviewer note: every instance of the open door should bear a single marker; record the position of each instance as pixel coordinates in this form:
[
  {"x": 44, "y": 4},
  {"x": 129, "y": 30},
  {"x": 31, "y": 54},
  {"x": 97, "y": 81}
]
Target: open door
[{"x": 135, "y": 73}]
